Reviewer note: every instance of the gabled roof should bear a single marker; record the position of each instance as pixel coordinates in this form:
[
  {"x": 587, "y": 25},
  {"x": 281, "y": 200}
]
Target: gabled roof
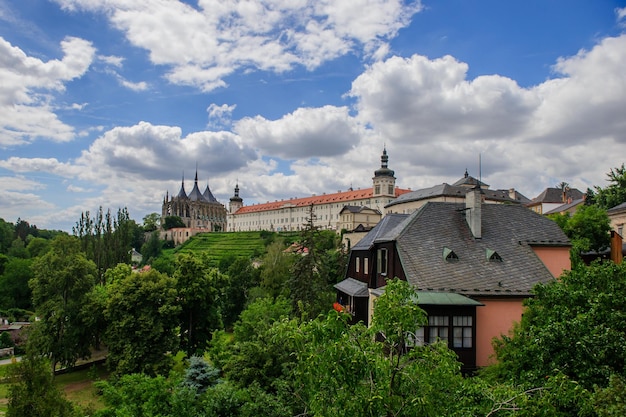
[
  {"x": 469, "y": 181},
  {"x": 352, "y": 287},
  {"x": 457, "y": 191},
  {"x": 617, "y": 208},
  {"x": 357, "y": 209},
  {"x": 387, "y": 223},
  {"x": 508, "y": 230},
  {"x": 555, "y": 195},
  {"x": 566, "y": 207}
]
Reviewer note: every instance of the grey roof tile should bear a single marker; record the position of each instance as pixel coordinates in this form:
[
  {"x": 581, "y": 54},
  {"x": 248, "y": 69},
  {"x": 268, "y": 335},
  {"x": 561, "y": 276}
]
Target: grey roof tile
[{"x": 509, "y": 230}]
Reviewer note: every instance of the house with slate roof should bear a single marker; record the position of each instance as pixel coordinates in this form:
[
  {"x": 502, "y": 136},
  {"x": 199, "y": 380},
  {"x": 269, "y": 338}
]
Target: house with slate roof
[
  {"x": 552, "y": 198},
  {"x": 472, "y": 264},
  {"x": 409, "y": 202}
]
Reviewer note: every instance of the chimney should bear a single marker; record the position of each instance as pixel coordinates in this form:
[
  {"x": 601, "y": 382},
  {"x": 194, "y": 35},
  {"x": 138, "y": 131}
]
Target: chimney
[
  {"x": 473, "y": 202},
  {"x": 512, "y": 193},
  {"x": 616, "y": 247}
]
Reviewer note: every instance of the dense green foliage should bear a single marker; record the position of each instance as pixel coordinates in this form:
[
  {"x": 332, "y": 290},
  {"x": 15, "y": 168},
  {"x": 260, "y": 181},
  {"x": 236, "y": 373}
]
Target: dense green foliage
[
  {"x": 196, "y": 287},
  {"x": 575, "y": 326},
  {"x": 34, "y": 393},
  {"x": 107, "y": 239},
  {"x": 62, "y": 278},
  {"x": 613, "y": 194},
  {"x": 142, "y": 315}
]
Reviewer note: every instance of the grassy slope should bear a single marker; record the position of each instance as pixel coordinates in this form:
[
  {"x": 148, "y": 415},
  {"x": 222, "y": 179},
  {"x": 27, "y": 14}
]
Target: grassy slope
[{"x": 249, "y": 245}]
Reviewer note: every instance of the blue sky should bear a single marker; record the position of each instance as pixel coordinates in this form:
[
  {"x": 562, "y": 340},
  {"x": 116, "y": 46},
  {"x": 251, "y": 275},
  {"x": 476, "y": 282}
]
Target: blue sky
[{"x": 108, "y": 102}]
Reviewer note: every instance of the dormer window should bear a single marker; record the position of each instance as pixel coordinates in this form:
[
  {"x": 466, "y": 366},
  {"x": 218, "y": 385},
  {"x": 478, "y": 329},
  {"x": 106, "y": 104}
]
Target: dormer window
[
  {"x": 449, "y": 255},
  {"x": 493, "y": 256}
]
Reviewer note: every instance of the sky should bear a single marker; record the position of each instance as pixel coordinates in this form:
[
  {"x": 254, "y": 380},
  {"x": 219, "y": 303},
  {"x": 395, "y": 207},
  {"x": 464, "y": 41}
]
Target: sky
[{"x": 111, "y": 103}]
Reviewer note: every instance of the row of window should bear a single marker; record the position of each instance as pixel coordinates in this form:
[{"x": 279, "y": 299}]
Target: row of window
[{"x": 439, "y": 329}]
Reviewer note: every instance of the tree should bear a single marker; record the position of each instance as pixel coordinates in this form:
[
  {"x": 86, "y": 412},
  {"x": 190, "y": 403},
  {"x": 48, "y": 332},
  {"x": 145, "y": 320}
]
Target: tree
[
  {"x": 276, "y": 269},
  {"x": 574, "y": 327},
  {"x": 37, "y": 246},
  {"x": 170, "y": 222},
  {"x": 62, "y": 278},
  {"x": 151, "y": 222},
  {"x": 7, "y": 231},
  {"x": 613, "y": 194},
  {"x": 106, "y": 239},
  {"x": 142, "y": 311},
  {"x": 309, "y": 291},
  {"x": 35, "y": 393},
  {"x": 197, "y": 285},
  {"x": 242, "y": 276},
  {"x": 591, "y": 226},
  {"x": 152, "y": 248},
  {"x": 14, "y": 289},
  {"x": 200, "y": 375}
]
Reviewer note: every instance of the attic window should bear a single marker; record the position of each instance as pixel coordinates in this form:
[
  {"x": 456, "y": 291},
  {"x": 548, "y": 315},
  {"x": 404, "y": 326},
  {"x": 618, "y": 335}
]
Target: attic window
[
  {"x": 493, "y": 256},
  {"x": 449, "y": 255}
]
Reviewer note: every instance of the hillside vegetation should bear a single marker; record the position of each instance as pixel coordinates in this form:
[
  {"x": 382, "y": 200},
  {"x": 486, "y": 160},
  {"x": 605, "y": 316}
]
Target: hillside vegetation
[{"x": 222, "y": 245}]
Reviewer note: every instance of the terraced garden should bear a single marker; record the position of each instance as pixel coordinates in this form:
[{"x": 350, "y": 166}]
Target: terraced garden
[{"x": 250, "y": 245}]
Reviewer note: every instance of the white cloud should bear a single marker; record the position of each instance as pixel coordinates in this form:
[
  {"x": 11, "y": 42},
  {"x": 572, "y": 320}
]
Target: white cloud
[
  {"x": 220, "y": 115},
  {"x": 26, "y": 112},
  {"x": 305, "y": 133},
  {"x": 112, "y": 60},
  {"x": 203, "y": 45},
  {"x": 621, "y": 14},
  {"x": 437, "y": 121},
  {"x": 140, "y": 86}
]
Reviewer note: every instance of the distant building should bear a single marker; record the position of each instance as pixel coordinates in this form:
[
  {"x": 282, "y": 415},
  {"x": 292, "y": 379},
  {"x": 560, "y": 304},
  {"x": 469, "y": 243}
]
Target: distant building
[
  {"x": 552, "y": 198},
  {"x": 292, "y": 214},
  {"x": 455, "y": 193},
  {"x": 201, "y": 213}
]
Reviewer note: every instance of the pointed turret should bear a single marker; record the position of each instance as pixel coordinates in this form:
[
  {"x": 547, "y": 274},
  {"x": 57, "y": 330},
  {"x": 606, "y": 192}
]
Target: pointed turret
[
  {"x": 208, "y": 195},
  {"x": 195, "y": 194},
  {"x": 182, "y": 194}
]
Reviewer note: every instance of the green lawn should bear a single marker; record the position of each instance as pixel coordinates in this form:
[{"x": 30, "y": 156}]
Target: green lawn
[{"x": 77, "y": 386}]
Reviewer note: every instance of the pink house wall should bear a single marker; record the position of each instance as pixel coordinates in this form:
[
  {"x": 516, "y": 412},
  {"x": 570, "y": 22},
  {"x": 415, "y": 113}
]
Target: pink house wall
[
  {"x": 555, "y": 258},
  {"x": 494, "y": 319}
]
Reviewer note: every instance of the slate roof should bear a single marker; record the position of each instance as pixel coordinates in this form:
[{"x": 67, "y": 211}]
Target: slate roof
[
  {"x": 555, "y": 195},
  {"x": 457, "y": 191},
  {"x": 389, "y": 222},
  {"x": 353, "y": 287},
  {"x": 208, "y": 195},
  {"x": 509, "y": 230},
  {"x": 357, "y": 209},
  {"x": 617, "y": 208},
  {"x": 566, "y": 207}
]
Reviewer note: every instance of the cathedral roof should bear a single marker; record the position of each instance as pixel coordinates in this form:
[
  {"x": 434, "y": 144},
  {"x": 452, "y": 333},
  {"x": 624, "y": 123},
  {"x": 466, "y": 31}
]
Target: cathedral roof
[
  {"x": 208, "y": 195},
  {"x": 182, "y": 194},
  {"x": 195, "y": 194}
]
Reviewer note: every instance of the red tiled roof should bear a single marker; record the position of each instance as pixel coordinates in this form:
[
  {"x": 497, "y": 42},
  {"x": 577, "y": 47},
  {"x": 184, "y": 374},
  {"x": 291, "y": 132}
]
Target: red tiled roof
[{"x": 344, "y": 196}]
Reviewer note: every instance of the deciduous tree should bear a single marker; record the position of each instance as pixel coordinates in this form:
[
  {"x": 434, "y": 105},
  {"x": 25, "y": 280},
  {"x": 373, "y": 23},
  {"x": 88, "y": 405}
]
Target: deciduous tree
[
  {"x": 62, "y": 278},
  {"x": 142, "y": 311}
]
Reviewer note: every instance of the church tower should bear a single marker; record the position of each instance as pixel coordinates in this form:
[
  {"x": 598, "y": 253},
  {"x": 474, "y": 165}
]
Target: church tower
[
  {"x": 384, "y": 181},
  {"x": 236, "y": 202}
]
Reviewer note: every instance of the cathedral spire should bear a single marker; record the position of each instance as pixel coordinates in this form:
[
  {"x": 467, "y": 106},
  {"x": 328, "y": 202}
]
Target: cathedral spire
[{"x": 182, "y": 193}]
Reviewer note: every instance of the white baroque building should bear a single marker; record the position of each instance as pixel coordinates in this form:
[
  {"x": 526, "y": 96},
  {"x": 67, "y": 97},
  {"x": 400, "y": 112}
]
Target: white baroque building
[{"x": 292, "y": 214}]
